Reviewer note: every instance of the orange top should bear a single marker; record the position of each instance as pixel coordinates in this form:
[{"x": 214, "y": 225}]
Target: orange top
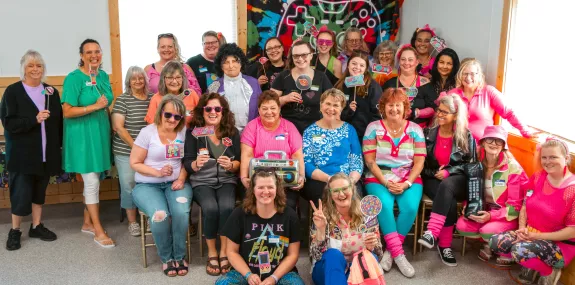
[{"x": 190, "y": 102}]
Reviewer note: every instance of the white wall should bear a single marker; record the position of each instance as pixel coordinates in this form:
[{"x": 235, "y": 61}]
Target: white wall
[
  {"x": 471, "y": 27},
  {"x": 55, "y": 28}
]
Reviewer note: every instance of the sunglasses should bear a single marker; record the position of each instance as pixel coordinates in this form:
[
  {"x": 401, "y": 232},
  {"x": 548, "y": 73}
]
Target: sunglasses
[
  {"x": 168, "y": 115},
  {"x": 341, "y": 189},
  {"x": 209, "y": 109},
  {"x": 167, "y": 35},
  {"x": 323, "y": 42},
  {"x": 497, "y": 142}
]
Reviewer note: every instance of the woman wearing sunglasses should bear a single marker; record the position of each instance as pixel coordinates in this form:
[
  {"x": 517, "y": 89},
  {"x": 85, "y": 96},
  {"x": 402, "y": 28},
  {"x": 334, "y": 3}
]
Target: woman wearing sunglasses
[
  {"x": 169, "y": 50},
  {"x": 172, "y": 82},
  {"x": 421, "y": 95},
  {"x": 267, "y": 72},
  {"x": 325, "y": 58},
  {"x": 213, "y": 174},
  {"x": 241, "y": 91},
  {"x": 161, "y": 190},
  {"x": 300, "y": 99}
]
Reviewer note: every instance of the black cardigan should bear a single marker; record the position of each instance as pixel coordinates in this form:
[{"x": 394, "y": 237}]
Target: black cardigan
[
  {"x": 457, "y": 159},
  {"x": 366, "y": 111},
  {"x": 24, "y": 134}
]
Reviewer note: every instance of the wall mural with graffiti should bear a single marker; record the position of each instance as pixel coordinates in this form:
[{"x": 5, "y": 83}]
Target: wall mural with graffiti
[{"x": 377, "y": 19}]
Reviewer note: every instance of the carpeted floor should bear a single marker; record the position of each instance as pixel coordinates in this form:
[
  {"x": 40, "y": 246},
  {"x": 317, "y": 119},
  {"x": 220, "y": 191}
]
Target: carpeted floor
[{"x": 75, "y": 259}]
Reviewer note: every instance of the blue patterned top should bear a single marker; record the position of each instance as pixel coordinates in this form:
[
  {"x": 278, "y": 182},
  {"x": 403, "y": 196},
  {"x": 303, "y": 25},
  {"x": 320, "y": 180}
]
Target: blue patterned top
[{"x": 332, "y": 151}]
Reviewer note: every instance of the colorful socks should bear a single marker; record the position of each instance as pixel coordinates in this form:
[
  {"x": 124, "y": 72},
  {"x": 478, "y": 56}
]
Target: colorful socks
[
  {"x": 436, "y": 222},
  {"x": 537, "y": 265},
  {"x": 446, "y": 237},
  {"x": 394, "y": 244}
]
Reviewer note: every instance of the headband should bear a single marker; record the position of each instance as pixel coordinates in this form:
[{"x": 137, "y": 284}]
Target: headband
[
  {"x": 426, "y": 28},
  {"x": 400, "y": 50},
  {"x": 552, "y": 138}
]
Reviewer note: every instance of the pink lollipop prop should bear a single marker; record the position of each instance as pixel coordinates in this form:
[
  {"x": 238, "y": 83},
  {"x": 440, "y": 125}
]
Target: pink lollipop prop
[
  {"x": 370, "y": 206},
  {"x": 263, "y": 61}
]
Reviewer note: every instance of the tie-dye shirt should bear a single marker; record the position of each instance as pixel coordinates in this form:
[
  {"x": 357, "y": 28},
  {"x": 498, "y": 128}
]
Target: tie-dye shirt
[{"x": 394, "y": 160}]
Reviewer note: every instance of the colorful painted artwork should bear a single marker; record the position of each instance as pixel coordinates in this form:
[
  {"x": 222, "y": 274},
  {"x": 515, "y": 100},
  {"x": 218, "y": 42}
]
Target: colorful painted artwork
[{"x": 378, "y": 20}]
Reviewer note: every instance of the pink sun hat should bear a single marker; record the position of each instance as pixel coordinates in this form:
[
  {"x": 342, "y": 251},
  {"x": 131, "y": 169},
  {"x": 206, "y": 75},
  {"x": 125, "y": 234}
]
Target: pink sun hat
[{"x": 497, "y": 132}]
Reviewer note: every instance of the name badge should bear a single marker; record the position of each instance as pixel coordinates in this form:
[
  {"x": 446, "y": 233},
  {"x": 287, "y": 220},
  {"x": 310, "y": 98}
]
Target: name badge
[
  {"x": 380, "y": 132},
  {"x": 346, "y": 97},
  {"x": 280, "y": 138},
  {"x": 203, "y": 69},
  {"x": 529, "y": 193},
  {"x": 316, "y": 139},
  {"x": 274, "y": 239},
  {"x": 314, "y": 88},
  {"x": 88, "y": 83},
  {"x": 188, "y": 113},
  {"x": 500, "y": 183}
]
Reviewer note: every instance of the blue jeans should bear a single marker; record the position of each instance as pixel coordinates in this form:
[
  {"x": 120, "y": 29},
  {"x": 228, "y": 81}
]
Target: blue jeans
[
  {"x": 330, "y": 269},
  {"x": 235, "y": 278},
  {"x": 159, "y": 202},
  {"x": 126, "y": 178},
  {"x": 407, "y": 202}
]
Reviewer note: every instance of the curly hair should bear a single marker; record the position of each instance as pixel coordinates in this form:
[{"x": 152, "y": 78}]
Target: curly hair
[
  {"x": 346, "y": 34},
  {"x": 268, "y": 63},
  {"x": 290, "y": 64},
  {"x": 394, "y": 95},
  {"x": 250, "y": 203},
  {"x": 436, "y": 77},
  {"x": 224, "y": 52},
  {"x": 227, "y": 124},
  {"x": 361, "y": 90},
  {"x": 385, "y": 45}
]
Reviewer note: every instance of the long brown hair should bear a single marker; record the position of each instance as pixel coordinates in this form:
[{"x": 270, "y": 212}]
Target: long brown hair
[
  {"x": 330, "y": 210},
  {"x": 227, "y": 124},
  {"x": 361, "y": 90},
  {"x": 280, "y": 201}
]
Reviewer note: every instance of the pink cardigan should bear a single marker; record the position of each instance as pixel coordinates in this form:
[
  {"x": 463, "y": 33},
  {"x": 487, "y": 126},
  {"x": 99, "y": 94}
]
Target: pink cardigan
[{"x": 485, "y": 102}]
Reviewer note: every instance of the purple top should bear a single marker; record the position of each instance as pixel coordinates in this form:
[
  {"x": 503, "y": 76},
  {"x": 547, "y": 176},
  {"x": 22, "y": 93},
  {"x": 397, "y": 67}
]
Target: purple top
[
  {"x": 253, "y": 101},
  {"x": 37, "y": 96}
]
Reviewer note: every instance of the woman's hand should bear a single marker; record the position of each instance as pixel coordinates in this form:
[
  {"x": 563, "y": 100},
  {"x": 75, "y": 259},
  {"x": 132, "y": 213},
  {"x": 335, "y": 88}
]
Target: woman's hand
[
  {"x": 101, "y": 103},
  {"x": 166, "y": 171},
  {"x": 201, "y": 160},
  {"x": 395, "y": 188},
  {"x": 353, "y": 105},
  {"x": 178, "y": 184},
  {"x": 42, "y": 116},
  {"x": 263, "y": 80},
  {"x": 370, "y": 241},
  {"x": 524, "y": 235},
  {"x": 319, "y": 219},
  {"x": 254, "y": 279},
  {"x": 300, "y": 182},
  {"x": 269, "y": 281},
  {"x": 439, "y": 174},
  {"x": 482, "y": 217},
  {"x": 292, "y": 97},
  {"x": 226, "y": 162},
  {"x": 246, "y": 182}
]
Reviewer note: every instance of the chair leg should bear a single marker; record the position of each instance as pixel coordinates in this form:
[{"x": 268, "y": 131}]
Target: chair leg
[
  {"x": 200, "y": 233},
  {"x": 188, "y": 247},
  {"x": 463, "y": 248},
  {"x": 422, "y": 225},
  {"x": 143, "y": 239},
  {"x": 415, "y": 234}
]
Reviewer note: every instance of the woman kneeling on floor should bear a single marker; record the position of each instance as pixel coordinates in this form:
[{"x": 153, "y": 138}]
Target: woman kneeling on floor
[
  {"x": 161, "y": 190},
  {"x": 505, "y": 186},
  {"x": 545, "y": 240},
  {"x": 263, "y": 236},
  {"x": 337, "y": 232}
]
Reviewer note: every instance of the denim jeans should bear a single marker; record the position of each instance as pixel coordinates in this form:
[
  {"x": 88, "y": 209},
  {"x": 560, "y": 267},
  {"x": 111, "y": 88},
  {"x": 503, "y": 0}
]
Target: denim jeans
[
  {"x": 126, "y": 178},
  {"x": 160, "y": 203},
  {"x": 235, "y": 278}
]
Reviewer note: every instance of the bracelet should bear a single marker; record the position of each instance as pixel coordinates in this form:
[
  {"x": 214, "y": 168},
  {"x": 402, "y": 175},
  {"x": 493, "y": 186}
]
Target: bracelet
[
  {"x": 85, "y": 110},
  {"x": 247, "y": 275},
  {"x": 275, "y": 278},
  {"x": 408, "y": 183}
]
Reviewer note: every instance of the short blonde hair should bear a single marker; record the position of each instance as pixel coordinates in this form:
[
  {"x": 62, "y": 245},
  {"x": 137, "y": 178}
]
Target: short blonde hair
[
  {"x": 31, "y": 55},
  {"x": 335, "y": 93},
  {"x": 178, "y": 105},
  {"x": 464, "y": 65}
]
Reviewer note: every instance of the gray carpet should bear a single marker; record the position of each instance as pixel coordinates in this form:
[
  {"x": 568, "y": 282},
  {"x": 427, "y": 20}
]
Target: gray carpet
[{"x": 75, "y": 259}]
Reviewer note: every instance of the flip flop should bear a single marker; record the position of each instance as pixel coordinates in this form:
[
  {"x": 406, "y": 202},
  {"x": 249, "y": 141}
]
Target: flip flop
[
  {"x": 91, "y": 232},
  {"x": 99, "y": 242}
]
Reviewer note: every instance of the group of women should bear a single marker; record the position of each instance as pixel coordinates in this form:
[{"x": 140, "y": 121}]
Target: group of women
[{"x": 188, "y": 131}]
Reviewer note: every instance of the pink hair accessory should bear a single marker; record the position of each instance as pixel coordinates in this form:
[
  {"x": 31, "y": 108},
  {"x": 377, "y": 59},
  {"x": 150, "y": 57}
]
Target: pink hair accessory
[
  {"x": 296, "y": 40},
  {"x": 219, "y": 35},
  {"x": 427, "y": 28},
  {"x": 325, "y": 29},
  {"x": 553, "y": 138},
  {"x": 400, "y": 50}
]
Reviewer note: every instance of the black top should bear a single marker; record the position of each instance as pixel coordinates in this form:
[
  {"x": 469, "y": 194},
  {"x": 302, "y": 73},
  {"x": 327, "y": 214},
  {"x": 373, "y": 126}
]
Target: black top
[
  {"x": 256, "y": 235},
  {"x": 23, "y": 133},
  {"x": 426, "y": 97},
  {"x": 366, "y": 111},
  {"x": 319, "y": 66},
  {"x": 304, "y": 114},
  {"x": 204, "y": 70},
  {"x": 457, "y": 159},
  {"x": 255, "y": 70}
]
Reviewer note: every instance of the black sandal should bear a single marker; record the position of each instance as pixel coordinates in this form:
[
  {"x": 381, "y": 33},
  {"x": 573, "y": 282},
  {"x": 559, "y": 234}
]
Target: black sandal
[
  {"x": 170, "y": 267},
  {"x": 209, "y": 265},
  {"x": 226, "y": 267},
  {"x": 181, "y": 267}
]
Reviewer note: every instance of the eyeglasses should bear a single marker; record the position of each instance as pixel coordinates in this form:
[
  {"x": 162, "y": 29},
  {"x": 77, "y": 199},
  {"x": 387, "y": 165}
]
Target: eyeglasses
[
  {"x": 171, "y": 79},
  {"x": 217, "y": 109},
  {"x": 274, "y": 48},
  {"x": 168, "y": 115},
  {"x": 214, "y": 43},
  {"x": 443, "y": 112},
  {"x": 353, "y": 41},
  {"x": 341, "y": 189},
  {"x": 168, "y": 35},
  {"x": 302, "y": 56},
  {"x": 323, "y": 42},
  {"x": 495, "y": 141},
  {"x": 386, "y": 53},
  {"x": 472, "y": 74}
]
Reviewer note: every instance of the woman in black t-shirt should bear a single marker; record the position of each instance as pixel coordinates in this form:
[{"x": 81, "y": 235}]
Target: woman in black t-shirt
[
  {"x": 301, "y": 107},
  {"x": 267, "y": 72},
  {"x": 263, "y": 236}
]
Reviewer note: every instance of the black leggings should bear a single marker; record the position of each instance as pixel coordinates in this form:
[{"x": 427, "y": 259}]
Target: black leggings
[
  {"x": 445, "y": 195},
  {"x": 217, "y": 205}
]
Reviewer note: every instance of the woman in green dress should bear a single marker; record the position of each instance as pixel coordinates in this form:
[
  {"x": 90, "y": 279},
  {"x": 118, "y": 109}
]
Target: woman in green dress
[{"x": 86, "y": 147}]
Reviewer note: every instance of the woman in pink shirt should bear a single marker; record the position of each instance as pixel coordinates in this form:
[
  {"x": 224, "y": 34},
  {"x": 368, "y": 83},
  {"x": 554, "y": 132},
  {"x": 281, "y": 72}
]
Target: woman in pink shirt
[
  {"x": 545, "y": 240},
  {"x": 270, "y": 132},
  {"x": 482, "y": 100}
]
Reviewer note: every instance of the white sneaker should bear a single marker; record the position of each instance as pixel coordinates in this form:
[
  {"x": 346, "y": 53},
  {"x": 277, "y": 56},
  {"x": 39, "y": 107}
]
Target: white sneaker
[
  {"x": 552, "y": 279},
  {"x": 134, "y": 229},
  {"x": 386, "y": 261},
  {"x": 404, "y": 266}
]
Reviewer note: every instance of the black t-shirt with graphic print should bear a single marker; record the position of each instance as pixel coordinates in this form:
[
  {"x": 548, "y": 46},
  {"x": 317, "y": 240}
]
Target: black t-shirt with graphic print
[
  {"x": 265, "y": 239},
  {"x": 204, "y": 70}
]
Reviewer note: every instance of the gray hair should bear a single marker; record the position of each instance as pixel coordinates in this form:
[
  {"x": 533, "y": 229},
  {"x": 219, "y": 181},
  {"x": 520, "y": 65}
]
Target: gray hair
[
  {"x": 31, "y": 55},
  {"x": 385, "y": 45},
  {"x": 221, "y": 38},
  {"x": 346, "y": 34},
  {"x": 169, "y": 69},
  {"x": 133, "y": 71},
  {"x": 457, "y": 107},
  {"x": 178, "y": 105}
]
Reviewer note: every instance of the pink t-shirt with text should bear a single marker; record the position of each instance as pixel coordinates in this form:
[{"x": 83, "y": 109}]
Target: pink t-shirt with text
[{"x": 285, "y": 138}]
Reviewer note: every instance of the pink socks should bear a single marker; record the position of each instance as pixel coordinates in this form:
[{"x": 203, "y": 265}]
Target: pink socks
[
  {"x": 445, "y": 237},
  {"x": 537, "y": 265},
  {"x": 394, "y": 244},
  {"x": 436, "y": 222}
]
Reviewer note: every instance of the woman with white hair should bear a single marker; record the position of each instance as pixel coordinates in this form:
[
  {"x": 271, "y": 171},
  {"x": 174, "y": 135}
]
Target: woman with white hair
[
  {"x": 32, "y": 118},
  {"x": 127, "y": 121},
  {"x": 483, "y": 100}
]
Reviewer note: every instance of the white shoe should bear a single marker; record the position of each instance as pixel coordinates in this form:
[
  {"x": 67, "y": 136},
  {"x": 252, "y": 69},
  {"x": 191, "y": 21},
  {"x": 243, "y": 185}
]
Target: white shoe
[
  {"x": 386, "y": 261},
  {"x": 404, "y": 266},
  {"x": 551, "y": 279},
  {"x": 134, "y": 229}
]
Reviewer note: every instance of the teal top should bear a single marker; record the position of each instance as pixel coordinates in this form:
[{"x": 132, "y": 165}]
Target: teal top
[{"x": 86, "y": 144}]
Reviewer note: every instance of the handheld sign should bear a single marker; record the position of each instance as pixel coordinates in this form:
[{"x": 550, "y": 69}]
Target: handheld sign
[
  {"x": 382, "y": 69},
  {"x": 174, "y": 150},
  {"x": 311, "y": 29},
  {"x": 411, "y": 92},
  {"x": 263, "y": 61},
  {"x": 354, "y": 81},
  {"x": 438, "y": 45},
  {"x": 227, "y": 142},
  {"x": 49, "y": 90},
  {"x": 203, "y": 131},
  {"x": 303, "y": 82},
  {"x": 370, "y": 206},
  {"x": 92, "y": 76}
]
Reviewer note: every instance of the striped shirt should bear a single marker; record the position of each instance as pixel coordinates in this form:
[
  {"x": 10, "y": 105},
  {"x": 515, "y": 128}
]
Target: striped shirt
[
  {"x": 394, "y": 159},
  {"x": 134, "y": 110}
]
